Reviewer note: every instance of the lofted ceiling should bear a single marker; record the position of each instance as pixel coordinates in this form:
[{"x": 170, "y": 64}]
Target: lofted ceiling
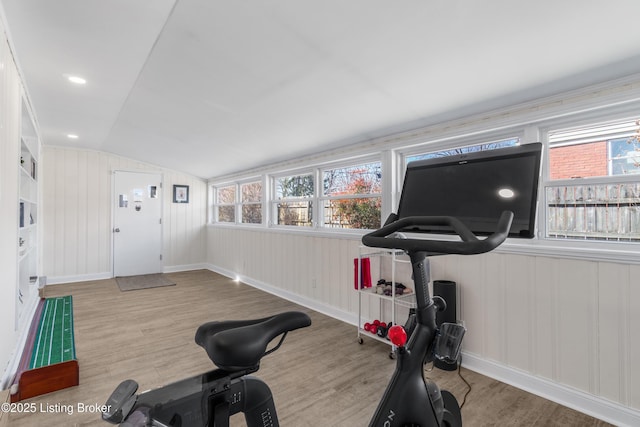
[{"x": 215, "y": 87}]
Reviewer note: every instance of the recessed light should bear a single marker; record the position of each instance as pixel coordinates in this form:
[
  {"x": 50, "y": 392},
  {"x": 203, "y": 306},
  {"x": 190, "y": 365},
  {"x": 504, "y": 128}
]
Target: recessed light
[
  {"x": 77, "y": 80},
  {"x": 72, "y": 136}
]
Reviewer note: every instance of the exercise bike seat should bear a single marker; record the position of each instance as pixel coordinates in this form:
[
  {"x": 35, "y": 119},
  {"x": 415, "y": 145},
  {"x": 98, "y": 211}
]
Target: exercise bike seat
[{"x": 235, "y": 345}]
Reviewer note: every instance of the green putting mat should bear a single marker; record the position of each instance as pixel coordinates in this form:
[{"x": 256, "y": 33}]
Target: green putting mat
[{"x": 54, "y": 342}]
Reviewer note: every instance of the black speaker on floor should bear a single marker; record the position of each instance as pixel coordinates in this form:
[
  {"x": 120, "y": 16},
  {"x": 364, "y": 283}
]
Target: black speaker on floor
[{"x": 446, "y": 289}]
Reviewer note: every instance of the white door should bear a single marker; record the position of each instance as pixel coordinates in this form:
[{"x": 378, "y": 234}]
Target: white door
[{"x": 137, "y": 225}]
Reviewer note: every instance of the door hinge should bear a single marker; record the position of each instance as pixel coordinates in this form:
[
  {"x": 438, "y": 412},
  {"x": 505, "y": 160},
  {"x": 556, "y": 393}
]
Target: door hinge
[
  {"x": 160, "y": 220},
  {"x": 160, "y": 257}
]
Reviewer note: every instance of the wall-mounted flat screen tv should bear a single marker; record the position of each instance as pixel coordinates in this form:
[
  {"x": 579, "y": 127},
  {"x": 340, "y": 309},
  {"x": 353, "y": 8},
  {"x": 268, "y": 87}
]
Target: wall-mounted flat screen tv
[{"x": 476, "y": 188}]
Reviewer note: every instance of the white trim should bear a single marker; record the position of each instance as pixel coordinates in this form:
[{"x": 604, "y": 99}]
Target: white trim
[
  {"x": 338, "y": 233},
  {"x": 185, "y": 267},
  {"x": 58, "y": 280},
  {"x": 61, "y": 280},
  {"x": 586, "y": 403},
  {"x": 12, "y": 367},
  {"x": 571, "y": 249},
  {"x": 289, "y": 296}
]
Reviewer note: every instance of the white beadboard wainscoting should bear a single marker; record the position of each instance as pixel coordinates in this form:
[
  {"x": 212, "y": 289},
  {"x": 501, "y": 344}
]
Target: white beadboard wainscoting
[
  {"x": 562, "y": 328},
  {"x": 77, "y": 215},
  {"x": 313, "y": 271}
]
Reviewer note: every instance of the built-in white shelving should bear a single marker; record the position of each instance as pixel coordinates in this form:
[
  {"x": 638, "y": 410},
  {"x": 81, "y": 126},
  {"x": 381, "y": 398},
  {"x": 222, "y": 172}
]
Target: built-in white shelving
[{"x": 28, "y": 210}]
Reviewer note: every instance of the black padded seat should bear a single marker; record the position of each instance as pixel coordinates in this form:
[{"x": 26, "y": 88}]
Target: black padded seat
[{"x": 235, "y": 345}]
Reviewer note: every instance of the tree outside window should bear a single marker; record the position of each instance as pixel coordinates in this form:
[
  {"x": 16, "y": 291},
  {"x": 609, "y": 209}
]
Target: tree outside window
[
  {"x": 468, "y": 149},
  {"x": 294, "y": 204},
  {"x": 251, "y": 200},
  {"x": 225, "y": 201},
  {"x": 353, "y": 196}
]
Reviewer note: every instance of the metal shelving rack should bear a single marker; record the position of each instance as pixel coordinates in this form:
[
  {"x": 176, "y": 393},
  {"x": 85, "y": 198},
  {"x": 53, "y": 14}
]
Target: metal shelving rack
[{"x": 397, "y": 267}]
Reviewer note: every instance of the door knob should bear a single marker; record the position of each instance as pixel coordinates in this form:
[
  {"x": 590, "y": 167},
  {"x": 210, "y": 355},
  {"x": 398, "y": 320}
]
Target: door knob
[{"x": 116, "y": 230}]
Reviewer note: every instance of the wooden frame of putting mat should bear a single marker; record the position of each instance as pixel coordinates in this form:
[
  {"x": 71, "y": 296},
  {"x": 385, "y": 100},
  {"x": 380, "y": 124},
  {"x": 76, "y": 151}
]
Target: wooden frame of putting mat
[{"x": 49, "y": 360}]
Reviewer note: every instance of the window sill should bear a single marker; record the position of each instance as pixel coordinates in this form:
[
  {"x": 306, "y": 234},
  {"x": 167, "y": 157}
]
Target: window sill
[
  {"x": 299, "y": 231},
  {"x": 623, "y": 253}
]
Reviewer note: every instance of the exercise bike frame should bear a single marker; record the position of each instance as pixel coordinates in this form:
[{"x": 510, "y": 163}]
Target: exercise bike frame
[
  {"x": 408, "y": 385},
  {"x": 408, "y": 377}
]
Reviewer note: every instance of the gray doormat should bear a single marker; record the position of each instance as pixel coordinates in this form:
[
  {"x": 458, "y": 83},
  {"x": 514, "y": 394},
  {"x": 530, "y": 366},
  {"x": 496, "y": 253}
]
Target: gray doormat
[{"x": 144, "y": 281}]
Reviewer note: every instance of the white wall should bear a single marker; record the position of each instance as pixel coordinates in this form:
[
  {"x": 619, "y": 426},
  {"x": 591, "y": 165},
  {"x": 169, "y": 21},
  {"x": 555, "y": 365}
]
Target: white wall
[
  {"x": 10, "y": 92},
  {"x": 569, "y": 321},
  {"x": 77, "y": 210},
  {"x": 289, "y": 264},
  {"x": 563, "y": 328}
]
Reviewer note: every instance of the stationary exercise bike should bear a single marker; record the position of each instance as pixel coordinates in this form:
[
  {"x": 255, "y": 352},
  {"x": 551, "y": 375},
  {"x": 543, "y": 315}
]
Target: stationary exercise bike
[
  {"x": 410, "y": 399},
  {"x": 237, "y": 347}
]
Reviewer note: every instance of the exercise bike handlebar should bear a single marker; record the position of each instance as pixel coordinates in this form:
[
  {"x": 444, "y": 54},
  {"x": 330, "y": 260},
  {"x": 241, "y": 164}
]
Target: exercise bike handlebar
[{"x": 469, "y": 245}]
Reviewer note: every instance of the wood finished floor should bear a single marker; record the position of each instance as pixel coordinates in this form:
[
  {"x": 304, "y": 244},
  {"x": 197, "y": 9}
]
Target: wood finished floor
[{"x": 320, "y": 377}]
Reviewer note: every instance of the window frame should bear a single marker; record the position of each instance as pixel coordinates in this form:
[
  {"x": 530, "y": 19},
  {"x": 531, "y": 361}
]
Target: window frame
[
  {"x": 578, "y": 244},
  {"x": 348, "y": 163},
  {"x": 274, "y": 201},
  {"x": 603, "y": 137},
  {"x": 216, "y": 203},
  {"x": 240, "y": 203}
]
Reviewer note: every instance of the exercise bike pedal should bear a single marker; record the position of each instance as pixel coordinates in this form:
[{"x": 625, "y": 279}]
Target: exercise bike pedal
[{"x": 120, "y": 402}]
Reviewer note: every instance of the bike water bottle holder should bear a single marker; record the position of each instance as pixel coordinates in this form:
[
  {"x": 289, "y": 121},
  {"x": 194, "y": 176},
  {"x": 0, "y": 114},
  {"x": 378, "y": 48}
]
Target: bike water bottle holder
[{"x": 449, "y": 342}]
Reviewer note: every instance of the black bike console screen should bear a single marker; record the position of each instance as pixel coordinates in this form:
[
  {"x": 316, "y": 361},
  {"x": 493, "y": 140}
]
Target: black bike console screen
[{"x": 476, "y": 188}]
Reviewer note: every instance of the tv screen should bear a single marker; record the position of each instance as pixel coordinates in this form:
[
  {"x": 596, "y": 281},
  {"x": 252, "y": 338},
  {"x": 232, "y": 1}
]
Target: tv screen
[{"x": 476, "y": 188}]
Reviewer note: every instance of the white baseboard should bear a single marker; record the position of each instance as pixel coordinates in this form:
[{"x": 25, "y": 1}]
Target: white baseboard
[
  {"x": 58, "y": 280},
  {"x": 586, "y": 403},
  {"x": 290, "y": 296},
  {"x": 186, "y": 267}
]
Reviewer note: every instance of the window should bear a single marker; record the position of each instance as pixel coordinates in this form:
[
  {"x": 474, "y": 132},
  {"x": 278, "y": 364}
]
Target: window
[
  {"x": 510, "y": 142},
  {"x": 251, "y": 202},
  {"x": 293, "y": 204},
  {"x": 352, "y": 196},
  {"x": 595, "y": 151},
  {"x": 225, "y": 203},
  {"x": 602, "y": 200}
]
